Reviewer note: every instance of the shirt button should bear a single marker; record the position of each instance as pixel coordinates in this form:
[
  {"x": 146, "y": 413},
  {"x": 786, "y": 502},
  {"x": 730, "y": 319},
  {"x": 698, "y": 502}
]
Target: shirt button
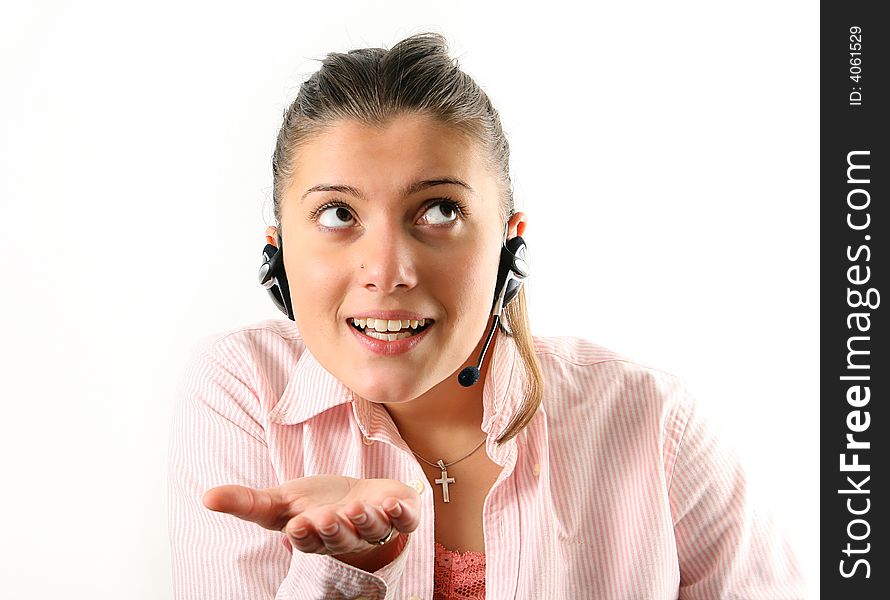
[
  {"x": 414, "y": 598},
  {"x": 536, "y": 469},
  {"x": 367, "y": 441},
  {"x": 418, "y": 487}
]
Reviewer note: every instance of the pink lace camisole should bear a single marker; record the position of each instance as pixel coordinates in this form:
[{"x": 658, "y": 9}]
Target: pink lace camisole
[{"x": 459, "y": 575}]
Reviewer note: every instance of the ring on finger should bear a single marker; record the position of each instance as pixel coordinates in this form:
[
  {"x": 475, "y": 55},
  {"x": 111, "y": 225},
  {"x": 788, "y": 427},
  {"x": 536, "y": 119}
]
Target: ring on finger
[{"x": 388, "y": 537}]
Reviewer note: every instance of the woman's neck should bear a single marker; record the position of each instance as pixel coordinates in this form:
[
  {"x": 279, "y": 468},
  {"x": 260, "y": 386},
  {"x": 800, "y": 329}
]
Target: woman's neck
[{"x": 446, "y": 421}]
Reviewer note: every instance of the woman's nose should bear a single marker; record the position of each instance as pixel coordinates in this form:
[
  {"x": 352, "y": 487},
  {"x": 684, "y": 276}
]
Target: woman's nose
[{"x": 386, "y": 261}]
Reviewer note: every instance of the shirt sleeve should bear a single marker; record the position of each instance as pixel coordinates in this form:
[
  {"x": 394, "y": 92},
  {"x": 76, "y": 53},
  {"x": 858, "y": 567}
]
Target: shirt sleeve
[
  {"x": 727, "y": 546},
  {"x": 322, "y": 576},
  {"x": 217, "y": 438}
]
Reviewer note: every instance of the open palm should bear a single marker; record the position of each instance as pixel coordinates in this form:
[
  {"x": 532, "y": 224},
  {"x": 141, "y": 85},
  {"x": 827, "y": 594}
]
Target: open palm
[{"x": 362, "y": 510}]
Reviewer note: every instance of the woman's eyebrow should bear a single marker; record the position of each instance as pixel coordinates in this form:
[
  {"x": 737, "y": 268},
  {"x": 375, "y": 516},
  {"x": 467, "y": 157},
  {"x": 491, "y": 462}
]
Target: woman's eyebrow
[{"x": 407, "y": 191}]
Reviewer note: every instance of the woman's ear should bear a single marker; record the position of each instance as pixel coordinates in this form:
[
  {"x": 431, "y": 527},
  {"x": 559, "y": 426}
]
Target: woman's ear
[
  {"x": 271, "y": 233},
  {"x": 516, "y": 225}
]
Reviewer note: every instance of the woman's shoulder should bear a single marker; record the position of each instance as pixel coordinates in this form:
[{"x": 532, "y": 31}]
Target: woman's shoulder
[
  {"x": 269, "y": 343},
  {"x": 282, "y": 328},
  {"x": 572, "y": 351},
  {"x": 580, "y": 370}
]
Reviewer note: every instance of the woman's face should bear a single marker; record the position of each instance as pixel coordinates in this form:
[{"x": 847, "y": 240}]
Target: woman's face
[{"x": 398, "y": 224}]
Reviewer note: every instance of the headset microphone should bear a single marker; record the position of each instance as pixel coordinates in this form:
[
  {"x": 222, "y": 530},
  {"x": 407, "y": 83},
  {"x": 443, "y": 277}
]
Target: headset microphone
[
  {"x": 512, "y": 273},
  {"x": 470, "y": 375}
]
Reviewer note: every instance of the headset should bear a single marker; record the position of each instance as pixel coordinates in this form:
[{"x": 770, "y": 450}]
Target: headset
[
  {"x": 274, "y": 279},
  {"x": 512, "y": 272}
]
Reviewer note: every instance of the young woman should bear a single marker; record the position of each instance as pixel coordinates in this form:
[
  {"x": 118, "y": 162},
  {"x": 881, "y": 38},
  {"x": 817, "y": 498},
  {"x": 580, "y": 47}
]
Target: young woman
[{"x": 350, "y": 453}]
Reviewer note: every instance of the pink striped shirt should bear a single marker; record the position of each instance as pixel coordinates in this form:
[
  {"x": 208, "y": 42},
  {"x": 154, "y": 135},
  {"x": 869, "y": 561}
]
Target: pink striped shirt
[{"x": 616, "y": 489}]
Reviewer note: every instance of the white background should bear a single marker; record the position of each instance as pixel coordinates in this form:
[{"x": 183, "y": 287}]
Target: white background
[{"x": 666, "y": 154}]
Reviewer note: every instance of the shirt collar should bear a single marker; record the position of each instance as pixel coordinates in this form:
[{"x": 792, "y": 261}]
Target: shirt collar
[{"x": 312, "y": 389}]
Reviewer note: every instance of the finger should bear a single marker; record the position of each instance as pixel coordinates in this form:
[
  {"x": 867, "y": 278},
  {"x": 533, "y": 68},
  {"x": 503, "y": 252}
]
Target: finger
[
  {"x": 261, "y": 506},
  {"x": 330, "y": 535},
  {"x": 338, "y": 536},
  {"x": 402, "y": 515},
  {"x": 370, "y": 523},
  {"x": 304, "y": 537}
]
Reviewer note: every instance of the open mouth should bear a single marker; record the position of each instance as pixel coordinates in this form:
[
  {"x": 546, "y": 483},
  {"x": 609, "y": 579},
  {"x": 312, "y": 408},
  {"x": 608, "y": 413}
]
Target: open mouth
[{"x": 389, "y": 330}]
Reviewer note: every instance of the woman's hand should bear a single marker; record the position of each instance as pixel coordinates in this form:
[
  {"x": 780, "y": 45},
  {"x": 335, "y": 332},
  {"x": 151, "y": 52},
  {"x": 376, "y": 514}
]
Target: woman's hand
[{"x": 315, "y": 503}]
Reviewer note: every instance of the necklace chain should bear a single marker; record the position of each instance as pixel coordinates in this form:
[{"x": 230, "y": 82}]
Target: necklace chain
[
  {"x": 453, "y": 462},
  {"x": 445, "y": 480}
]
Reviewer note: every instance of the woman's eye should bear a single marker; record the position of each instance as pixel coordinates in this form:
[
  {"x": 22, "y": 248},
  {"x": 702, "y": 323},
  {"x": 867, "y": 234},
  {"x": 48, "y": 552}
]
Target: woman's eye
[
  {"x": 339, "y": 216},
  {"x": 335, "y": 217},
  {"x": 440, "y": 213}
]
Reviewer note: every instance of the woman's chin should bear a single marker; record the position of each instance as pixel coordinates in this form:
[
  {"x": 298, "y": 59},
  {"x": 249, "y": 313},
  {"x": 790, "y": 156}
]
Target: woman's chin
[{"x": 387, "y": 392}]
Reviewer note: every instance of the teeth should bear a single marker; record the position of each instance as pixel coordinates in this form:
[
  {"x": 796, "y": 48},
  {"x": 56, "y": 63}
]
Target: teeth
[
  {"x": 385, "y": 325},
  {"x": 387, "y": 337}
]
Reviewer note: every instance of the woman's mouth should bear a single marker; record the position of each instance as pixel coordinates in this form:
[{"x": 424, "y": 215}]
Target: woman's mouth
[{"x": 390, "y": 330}]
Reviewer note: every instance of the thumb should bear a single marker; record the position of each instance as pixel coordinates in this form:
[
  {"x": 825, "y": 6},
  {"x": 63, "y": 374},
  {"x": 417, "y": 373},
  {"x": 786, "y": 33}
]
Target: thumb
[{"x": 261, "y": 506}]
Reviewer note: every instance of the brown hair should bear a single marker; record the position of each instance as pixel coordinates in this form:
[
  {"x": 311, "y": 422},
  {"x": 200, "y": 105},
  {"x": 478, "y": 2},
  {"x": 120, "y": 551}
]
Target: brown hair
[{"x": 416, "y": 76}]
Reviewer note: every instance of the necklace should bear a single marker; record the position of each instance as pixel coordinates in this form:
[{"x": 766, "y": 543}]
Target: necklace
[{"x": 445, "y": 480}]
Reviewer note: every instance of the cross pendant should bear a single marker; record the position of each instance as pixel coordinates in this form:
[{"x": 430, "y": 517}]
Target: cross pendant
[{"x": 445, "y": 480}]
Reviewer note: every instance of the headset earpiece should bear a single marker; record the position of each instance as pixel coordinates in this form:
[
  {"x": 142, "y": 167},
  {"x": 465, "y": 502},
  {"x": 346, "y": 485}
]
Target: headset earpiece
[
  {"x": 513, "y": 269},
  {"x": 274, "y": 279}
]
